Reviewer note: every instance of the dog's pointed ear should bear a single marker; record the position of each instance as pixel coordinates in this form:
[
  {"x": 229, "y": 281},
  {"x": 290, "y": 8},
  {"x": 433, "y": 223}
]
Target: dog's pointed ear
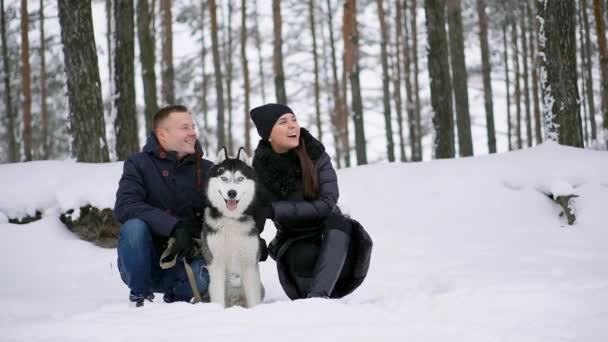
[
  {"x": 222, "y": 155},
  {"x": 243, "y": 156}
]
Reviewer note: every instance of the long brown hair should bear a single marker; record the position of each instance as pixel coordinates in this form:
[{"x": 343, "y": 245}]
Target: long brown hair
[{"x": 310, "y": 181}]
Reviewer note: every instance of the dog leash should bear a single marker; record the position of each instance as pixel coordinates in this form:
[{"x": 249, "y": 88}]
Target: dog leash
[{"x": 189, "y": 272}]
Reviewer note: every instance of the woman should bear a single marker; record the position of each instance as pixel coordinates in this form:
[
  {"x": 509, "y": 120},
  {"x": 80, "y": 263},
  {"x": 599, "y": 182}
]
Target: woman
[{"x": 319, "y": 252}]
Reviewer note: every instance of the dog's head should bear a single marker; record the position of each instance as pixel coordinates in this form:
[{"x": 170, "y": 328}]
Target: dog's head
[{"x": 231, "y": 187}]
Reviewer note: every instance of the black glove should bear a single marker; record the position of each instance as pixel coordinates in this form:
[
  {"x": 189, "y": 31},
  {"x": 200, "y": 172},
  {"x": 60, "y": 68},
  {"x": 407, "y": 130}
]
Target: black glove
[
  {"x": 261, "y": 214},
  {"x": 263, "y": 249},
  {"x": 184, "y": 244}
]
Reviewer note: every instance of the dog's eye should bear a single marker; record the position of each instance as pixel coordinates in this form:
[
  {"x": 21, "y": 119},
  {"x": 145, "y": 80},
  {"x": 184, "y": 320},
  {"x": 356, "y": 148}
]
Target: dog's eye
[
  {"x": 224, "y": 179},
  {"x": 220, "y": 170},
  {"x": 240, "y": 179}
]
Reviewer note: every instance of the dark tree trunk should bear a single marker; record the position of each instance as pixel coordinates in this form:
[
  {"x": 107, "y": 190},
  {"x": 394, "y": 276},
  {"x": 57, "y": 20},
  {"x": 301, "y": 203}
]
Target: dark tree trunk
[
  {"x": 44, "y": 113},
  {"x": 167, "y": 71},
  {"x": 337, "y": 105},
  {"x": 413, "y": 121},
  {"x": 147, "y": 58},
  {"x": 327, "y": 83},
  {"x": 80, "y": 59},
  {"x": 125, "y": 124},
  {"x": 246, "y": 85},
  {"x": 588, "y": 75},
  {"x": 486, "y": 67},
  {"x": 397, "y": 78},
  {"x": 601, "y": 40},
  {"x": 258, "y": 44},
  {"x": 441, "y": 85},
  {"x": 516, "y": 76},
  {"x": 279, "y": 74},
  {"x": 228, "y": 60},
  {"x": 205, "y": 80},
  {"x": 524, "y": 59},
  {"x": 221, "y": 137},
  {"x": 390, "y": 145},
  {"x": 534, "y": 62},
  {"x": 417, "y": 156},
  {"x": 27, "y": 83},
  {"x": 109, "y": 33},
  {"x": 558, "y": 72},
  {"x": 13, "y": 153},
  {"x": 581, "y": 49},
  {"x": 508, "y": 83},
  {"x": 459, "y": 76},
  {"x": 317, "y": 90}
]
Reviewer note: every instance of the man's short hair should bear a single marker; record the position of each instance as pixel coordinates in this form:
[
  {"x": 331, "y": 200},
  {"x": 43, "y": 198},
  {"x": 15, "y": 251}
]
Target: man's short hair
[{"x": 164, "y": 112}]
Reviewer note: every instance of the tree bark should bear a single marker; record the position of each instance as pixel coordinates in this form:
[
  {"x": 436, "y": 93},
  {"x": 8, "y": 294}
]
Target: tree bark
[
  {"x": 84, "y": 94},
  {"x": 440, "y": 82},
  {"x": 581, "y": 49},
  {"x": 516, "y": 76},
  {"x": 228, "y": 60},
  {"x": 390, "y": 145},
  {"x": 317, "y": 90},
  {"x": 459, "y": 75},
  {"x": 486, "y": 67},
  {"x": 337, "y": 108},
  {"x": 508, "y": 84},
  {"x": 417, "y": 156},
  {"x": 601, "y": 40},
  {"x": 558, "y": 72},
  {"x": 167, "y": 71},
  {"x": 205, "y": 79},
  {"x": 44, "y": 113},
  {"x": 397, "y": 78},
  {"x": 27, "y": 83},
  {"x": 534, "y": 62},
  {"x": 109, "y": 32},
  {"x": 258, "y": 44},
  {"x": 246, "y": 85},
  {"x": 147, "y": 58},
  {"x": 413, "y": 121},
  {"x": 588, "y": 68},
  {"x": 524, "y": 50},
  {"x": 13, "y": 153},
  {"x": 351, "y": 65},
  {"x": 221, "y": 138},
  {"x": 279, "y": 74}
]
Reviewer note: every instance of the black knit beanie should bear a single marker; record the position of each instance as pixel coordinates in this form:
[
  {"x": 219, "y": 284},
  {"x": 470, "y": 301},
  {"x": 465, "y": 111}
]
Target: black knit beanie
[{"x": 264, "y": 117}]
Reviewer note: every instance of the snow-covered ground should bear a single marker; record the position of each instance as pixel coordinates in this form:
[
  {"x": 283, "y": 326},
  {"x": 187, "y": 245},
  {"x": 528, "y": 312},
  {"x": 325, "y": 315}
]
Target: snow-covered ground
[{"x": 465, "y": 250}]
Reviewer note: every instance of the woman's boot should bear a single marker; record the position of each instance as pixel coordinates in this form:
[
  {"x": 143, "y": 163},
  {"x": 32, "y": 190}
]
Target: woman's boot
[{"x": 330, "y": 261}]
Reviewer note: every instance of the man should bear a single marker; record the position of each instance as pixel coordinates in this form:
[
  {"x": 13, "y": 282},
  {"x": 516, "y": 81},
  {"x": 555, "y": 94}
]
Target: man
[{"x": 161, "y": 195}]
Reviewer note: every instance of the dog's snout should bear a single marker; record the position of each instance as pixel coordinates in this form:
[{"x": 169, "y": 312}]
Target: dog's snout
[{"x": 232, "y": 193}]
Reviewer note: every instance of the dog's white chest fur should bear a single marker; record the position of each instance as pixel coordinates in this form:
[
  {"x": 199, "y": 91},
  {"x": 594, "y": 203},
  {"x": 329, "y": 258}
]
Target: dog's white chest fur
[{"x": 231, "y": 244}]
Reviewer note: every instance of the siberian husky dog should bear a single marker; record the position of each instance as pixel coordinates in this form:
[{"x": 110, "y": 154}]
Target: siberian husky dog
[{"x": 229, "y": 236}]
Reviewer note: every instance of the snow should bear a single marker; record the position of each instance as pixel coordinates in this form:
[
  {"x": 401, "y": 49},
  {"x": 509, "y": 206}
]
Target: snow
[{"x": 464, "y": 250}]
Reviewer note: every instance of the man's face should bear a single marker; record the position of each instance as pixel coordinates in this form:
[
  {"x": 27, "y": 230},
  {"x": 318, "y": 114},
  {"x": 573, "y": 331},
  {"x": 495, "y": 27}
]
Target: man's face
[{"x": 177, "y": 133}]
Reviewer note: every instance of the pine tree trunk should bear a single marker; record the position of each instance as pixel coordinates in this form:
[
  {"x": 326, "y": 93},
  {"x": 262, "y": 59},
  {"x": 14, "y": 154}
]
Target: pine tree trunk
[
  {"x": 516, "y": 76},
  {"x": 27, "y": 83},
  {"x": 581, "y": 49},
  {"x": 228, "y": 60},
  {"x": 558, "y": 72},
  {"x": 397, "y": 78},
  {"x": 43, "y": 105},
  {"x": 486, "y": 67},
  {"x": 125, "y": 123},
  {"x": 13, "y": 153},
  {"x": 279, "y": 74},
  {"x": 601, "y": 40},
  {"x": 533, "y": 24},
  {"x": 80, "y": 59},
  {"x": 221, "y": 138},
  {"x": 109, "y": 33},
  {"x": 204, "y": 81},
  {"x": 459, "y": 76},
  {"x": 508, "y": 84},
  {"x": 524, "y": 51},
  {"x": 337, "y": 105},
  {"x": 588, "y": 68},
  {"x": 246, "y": 85},
  {"x": 167, "y": 71},
  {"x": 410, "y": 100},
  {"x": 351, "y": 43},
  {"x": 317, "y": 90},
  {"x": 441, "y": 84},
  {"x": 258, "y": 44},
  {"x": 417, "y": 156},
  {"x": 147, "y": 59},
  {"x": 326, "y": 81},
  {"x": 390, "y": 145}
]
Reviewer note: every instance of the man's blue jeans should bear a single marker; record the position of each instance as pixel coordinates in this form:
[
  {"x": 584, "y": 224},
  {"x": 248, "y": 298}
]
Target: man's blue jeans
[{"x": 138, "y": 263}]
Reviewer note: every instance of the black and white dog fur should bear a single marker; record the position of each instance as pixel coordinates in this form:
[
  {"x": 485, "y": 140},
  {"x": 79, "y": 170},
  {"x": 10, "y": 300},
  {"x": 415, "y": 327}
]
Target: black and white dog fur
[{"x": 229, "y": 237}]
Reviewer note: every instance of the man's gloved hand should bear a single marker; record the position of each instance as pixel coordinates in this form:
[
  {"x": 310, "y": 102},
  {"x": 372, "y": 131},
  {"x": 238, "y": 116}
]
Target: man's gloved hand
[
  {"x": 263, "y": 249},
  {"x": 261, "y": 214},
  {"x": 184, "y": 243}
]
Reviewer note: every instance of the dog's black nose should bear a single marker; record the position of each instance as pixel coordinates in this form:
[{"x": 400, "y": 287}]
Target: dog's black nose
[{"x": 232, "y": 193}]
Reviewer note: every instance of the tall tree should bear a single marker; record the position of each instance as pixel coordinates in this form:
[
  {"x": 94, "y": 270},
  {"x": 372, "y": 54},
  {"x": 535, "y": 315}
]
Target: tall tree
[
  {"x": 109, "y": 35},
  {"x": 147, "y": 58},
  {"x": 246, "y": 85},
  {"x": 524, "y": 59},
  {"x": 27, "y": 83},
  {"x": 459, "y": 77},
  {"x": 279, "y": 74},
  {"x": 588, "y": 67},
  {"x": 125, "y": 123},
  {"x": 258, "y": 45},
  {"x": 390, "y": 145},
  {"x": 413, "y": 121},
  {"x": 601, "y": 40},
  {"x": 228, "y": 60},
  {"x": 221, "y": 137},
  {"x": 315, "y": 58},
  {"x": 13, "y": 153},
  {"x": 417, "y": 156},
  {"x": 508, "y": 83},
  {"x": 338, "y": 110},
  {"x": 558, "y": 72},
  {"x": 531, "y": 11},
  {"x": 84, "y": 95},
  {"x": 583, "y": 56},
  {"x": 44, "y": 113},
  {"x": 441, "y": 84},
  {"x": 516, "y": 76},
  {"x": 352, "y": 68},
  {"x": 167, "y": 71},
  {"x": 486, "y": 68},
  {"x": 397, "y": 78}
]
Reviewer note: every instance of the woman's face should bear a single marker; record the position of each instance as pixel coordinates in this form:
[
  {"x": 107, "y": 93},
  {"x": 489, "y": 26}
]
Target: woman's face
[{"x": 285, "y": 134}]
